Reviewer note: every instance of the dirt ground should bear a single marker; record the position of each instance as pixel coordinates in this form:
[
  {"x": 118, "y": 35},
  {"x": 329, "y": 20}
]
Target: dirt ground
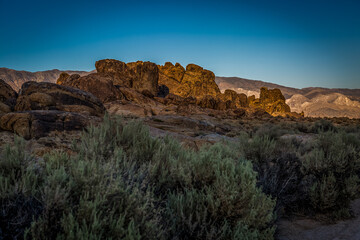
[{"x": 307, "y": 229}]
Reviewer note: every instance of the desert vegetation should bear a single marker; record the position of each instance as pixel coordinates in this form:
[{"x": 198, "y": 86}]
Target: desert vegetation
[{"x": 122, "y": 183}]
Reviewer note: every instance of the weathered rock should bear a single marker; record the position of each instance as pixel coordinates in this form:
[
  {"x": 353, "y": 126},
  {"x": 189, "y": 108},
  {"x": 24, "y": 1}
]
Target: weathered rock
[
  {"x": 50, "y": 96},
  {"x": 122, "y": 75},
  {"x": 146, "y": 76},
  {"x": 240, "y": 100},
  {"x": 138, "y": 75},
  {"x": 134, "y": 96},
  {"x": 194, "y": 81},
  {"x": 270, "y": 95},
  {"x": 62, "y": 78},
  {"x": 147, "y": 93},
  {"x": 35, "y": 124},
  {"x": 7, "y": 97},
  {"x": 173, "y": 99},
  {"x": 272, "y": 101},
  {"x": 100, "y": 85}
]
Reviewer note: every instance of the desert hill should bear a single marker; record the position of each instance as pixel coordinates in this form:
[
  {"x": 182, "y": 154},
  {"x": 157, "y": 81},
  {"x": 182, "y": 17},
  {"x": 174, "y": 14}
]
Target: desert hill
[
  {"x": 313, "y": 101},
  {"x": 16, "y": 78}
]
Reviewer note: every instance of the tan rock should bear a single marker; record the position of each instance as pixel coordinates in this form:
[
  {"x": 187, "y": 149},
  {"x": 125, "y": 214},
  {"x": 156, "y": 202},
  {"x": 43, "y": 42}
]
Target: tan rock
[
  {"x": 50, "y": 96},
  {"x": 194, "y": 81},
  {"x": 100, "y": 85}
]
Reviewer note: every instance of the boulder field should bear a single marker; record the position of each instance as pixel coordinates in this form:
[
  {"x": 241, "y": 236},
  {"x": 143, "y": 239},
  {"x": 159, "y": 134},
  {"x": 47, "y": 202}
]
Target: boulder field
[
  {"x": 170, "y": 98},
  {"x": 168, "y": 84}
]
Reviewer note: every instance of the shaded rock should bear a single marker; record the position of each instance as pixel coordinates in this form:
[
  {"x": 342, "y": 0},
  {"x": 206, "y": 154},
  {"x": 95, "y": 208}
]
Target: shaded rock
[
  {"x": 146, "y": 76},
  {"x": 163, "y": 91},
  {"x": 35, "y": 124},
  {"x": 137, "y": 97},
  {"x": 122, "y": 75},
  {"x": 194, "y": 81},
  {"x": 147, "y": 93},
  {"x": 138, "y": 75},
  {"x": 50, "y": 96},
  {"x": 7, "y": 97},
  {"x": 173, "y": 99},
  {"x": 100, "y": 85},
  {"x": 239, "y": 99},
  {"x": 208, "y": 102}
]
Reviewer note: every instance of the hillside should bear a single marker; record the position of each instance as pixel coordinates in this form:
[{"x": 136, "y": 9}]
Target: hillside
[
  {"x": 16, "y": 78},
  {"x": 313, "y": 101}
]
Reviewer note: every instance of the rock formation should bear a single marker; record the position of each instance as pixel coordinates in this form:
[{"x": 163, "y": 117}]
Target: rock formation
[
  {"x": 50, "y": 96},
  {"x": 194, "y": 81},
  {"x": 100, "y": 85},
  {"x": 35, "y": 124},
  {"x": 272, "y": 101},
  {"x": 240, "y": 100},
  {"x": 7, "y": 97},
  {"x": 138, "y": 75}
]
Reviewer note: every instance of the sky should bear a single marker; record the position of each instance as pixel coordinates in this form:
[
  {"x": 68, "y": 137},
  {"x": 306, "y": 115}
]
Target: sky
[{"x": 293, "y": 43}]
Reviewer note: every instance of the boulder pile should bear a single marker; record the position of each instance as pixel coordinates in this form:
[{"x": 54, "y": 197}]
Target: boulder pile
[{"x": 41, "y": 108}]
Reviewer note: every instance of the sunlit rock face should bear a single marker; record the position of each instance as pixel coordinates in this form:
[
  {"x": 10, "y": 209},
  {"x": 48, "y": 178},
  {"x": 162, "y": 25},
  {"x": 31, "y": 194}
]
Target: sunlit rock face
[
  {"x": 271, "y": 100},
  {"x": 138, "y": 75},
  {"x": 192, "y": 81},
  {"x": 100, "y": 85}
]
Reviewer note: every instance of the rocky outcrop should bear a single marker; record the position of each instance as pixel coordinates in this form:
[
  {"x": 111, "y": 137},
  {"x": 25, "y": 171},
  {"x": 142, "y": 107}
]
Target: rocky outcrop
[
  {"x": 7, "y": 97},
  {"x": 272, "y": 101},
  {"x": 100, "y": 85},
  {"x": 192, "y": 81},
  {"x": 138, "y": 75},
  {"x": 50, "y": 96},
  {"x": 35, "y": 124},
  {"x": 146, "y": 76},
  {"x": 239, "y": 99}
]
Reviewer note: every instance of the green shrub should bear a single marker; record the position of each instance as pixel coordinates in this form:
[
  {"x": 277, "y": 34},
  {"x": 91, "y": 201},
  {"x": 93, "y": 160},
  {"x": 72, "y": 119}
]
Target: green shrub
[
  {"x": 323, "y": 125},
  {"x": 258, "y": 149},
  {"x": 124, "y": 184},
  {"x": 334, "y": 163}
]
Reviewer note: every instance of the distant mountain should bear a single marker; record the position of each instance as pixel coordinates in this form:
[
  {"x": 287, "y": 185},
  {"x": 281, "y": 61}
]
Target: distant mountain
[
  {"x": 313, "y": 101},
  {"x": 16, "y": 78}
]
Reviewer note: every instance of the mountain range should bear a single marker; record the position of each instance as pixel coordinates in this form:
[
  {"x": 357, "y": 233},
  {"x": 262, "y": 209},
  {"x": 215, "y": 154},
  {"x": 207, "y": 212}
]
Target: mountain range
[{"x": 313, "y": 101}]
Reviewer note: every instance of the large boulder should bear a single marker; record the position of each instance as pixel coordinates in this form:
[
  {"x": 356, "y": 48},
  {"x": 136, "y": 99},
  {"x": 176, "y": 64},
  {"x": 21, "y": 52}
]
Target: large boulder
[
  {"x": 271, "y": 100},
  {"x": 7, "y": 97},
  {"x": 146, "y": 76},
  {"x": 100, "y": 85},
  {"x": 239, "y": 99},
  {"x": 39, "y": 123},
  {"x": 122, "y": 75},
  {"x": 138, "y": 75},
  {"x": 194, "y": 81},
  {"x": 51, "y": 96}
]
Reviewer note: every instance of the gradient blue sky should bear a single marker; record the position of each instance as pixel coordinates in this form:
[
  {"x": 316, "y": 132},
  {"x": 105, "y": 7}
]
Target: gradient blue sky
[{"x": 293, "y": 43}]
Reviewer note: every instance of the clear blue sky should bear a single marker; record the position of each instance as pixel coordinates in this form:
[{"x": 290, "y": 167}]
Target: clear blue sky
[{"x": 294, "y": 43}]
